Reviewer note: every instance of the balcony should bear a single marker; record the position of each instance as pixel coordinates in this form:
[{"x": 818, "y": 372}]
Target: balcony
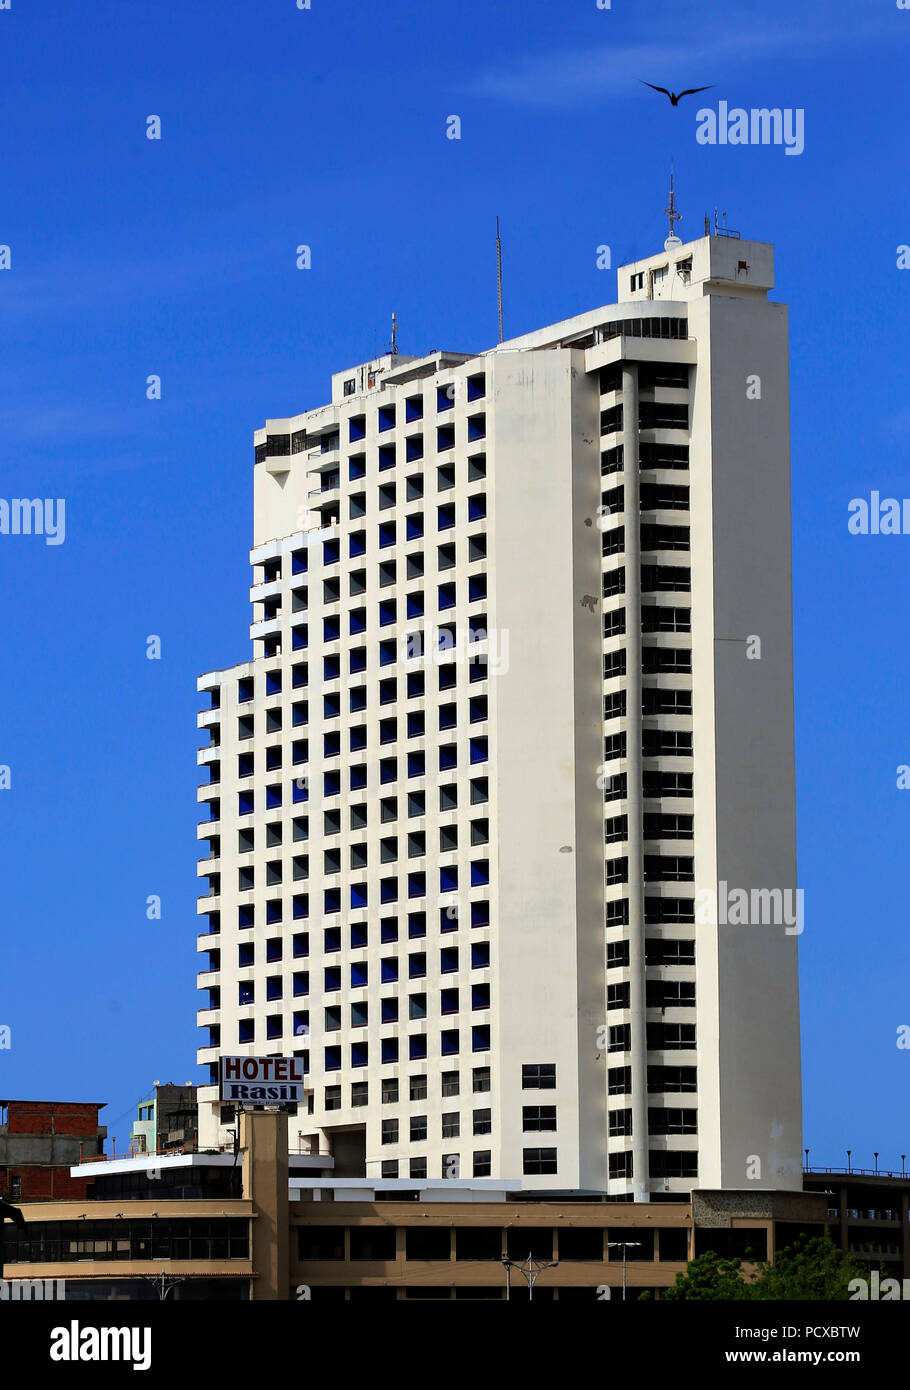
[
  {"x": 328, "y": 448},
  {"x": 208, "y": 979},
  {"x": 207, "y": 717},
  {"x": 310, "y": 1145},
  {"x": 260, "y": 592},
  {"x": 204, "y": 756},
  {"x": 330, "y": 483},
  {"x": 266, "y": 627}
]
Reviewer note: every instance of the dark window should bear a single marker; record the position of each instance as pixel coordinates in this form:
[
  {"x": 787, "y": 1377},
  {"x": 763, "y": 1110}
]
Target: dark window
[
  {"x": 539, "y": 1076},
  {"x": 372, "y": 1242},
  {"x": 422, "y": 1243}
]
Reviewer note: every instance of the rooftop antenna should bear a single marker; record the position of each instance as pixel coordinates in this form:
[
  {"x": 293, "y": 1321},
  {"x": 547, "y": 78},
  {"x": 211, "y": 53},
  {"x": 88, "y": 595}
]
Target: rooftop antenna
[
  {"x": 672, "y": 240},
  {"x": 393, "y": 345},
  {"x": 499, "y": 278}
]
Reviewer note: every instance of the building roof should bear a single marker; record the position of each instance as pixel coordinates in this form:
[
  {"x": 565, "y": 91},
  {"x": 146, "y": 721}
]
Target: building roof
[{"x": 99, "y": 1103}]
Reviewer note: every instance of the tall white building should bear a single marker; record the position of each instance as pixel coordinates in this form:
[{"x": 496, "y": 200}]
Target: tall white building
[{"x": 521, "y": 699}]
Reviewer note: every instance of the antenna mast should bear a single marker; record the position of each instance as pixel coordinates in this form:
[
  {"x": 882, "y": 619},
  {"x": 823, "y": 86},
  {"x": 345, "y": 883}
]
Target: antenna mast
[
  {"x": 499, "y": 278},
  {"x": 673, "y": 215},
  {"x": 393, "y": 345}
]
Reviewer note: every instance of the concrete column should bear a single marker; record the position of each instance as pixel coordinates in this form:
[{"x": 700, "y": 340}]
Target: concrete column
[
  {"x": 263, "y": 1141},
  {"x": 639, "y": 1050}
]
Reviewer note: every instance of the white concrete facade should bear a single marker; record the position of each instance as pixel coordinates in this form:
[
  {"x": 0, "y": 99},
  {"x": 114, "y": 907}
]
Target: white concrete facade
[{"x": 475, "y": 876}]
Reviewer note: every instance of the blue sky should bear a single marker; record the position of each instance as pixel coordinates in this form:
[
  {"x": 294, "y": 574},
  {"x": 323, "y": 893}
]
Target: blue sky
[{"x": 133, "y": 257}]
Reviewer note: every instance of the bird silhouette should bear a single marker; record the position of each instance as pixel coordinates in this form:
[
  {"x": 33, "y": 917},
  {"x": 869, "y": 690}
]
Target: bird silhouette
[{"x": 675, "y": 97}]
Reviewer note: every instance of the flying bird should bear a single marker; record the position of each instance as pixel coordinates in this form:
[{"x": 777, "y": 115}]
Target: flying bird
[{"x": 675, "y": 97}]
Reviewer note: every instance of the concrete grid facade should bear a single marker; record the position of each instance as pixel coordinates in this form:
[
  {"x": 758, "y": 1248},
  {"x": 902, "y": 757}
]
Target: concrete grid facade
[{"x": 463, "y": 883}]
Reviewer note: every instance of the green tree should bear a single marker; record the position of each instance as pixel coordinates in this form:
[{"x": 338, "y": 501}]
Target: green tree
[{"x": 811, "y": 1268}]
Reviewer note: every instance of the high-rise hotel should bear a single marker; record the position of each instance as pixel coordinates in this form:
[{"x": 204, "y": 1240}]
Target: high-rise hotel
[{"x": 518, "y": 725}]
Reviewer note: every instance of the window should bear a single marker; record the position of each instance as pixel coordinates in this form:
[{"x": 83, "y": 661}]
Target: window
[
  {"x": 428, "y": 1243},
  {"x": 480, "y": 914},
  {"x": 450, "y": 1125},
  {"x": 614, "y": 582},
  {"x": 538, "y": 1076},
  {"x": 448, "y": 959},
  {"x": 670, "y": 1036},
  {"x": 660, "y": 910},
  {"x": 359, "y": 1093},
  {"x": 536, "y": 1118},
  {"x": 581, "y": 1243},
  {"x": 667, "y": 1163},
  {"x": 450, "y": 1083},
  {"x": 389, "y": 1090},
  {"x": 418, "y": 1129},
  {"x": 617, "y": 954},
  {"x": 617, "y": 871},
  {"x": 538, "y": 1161},
  {"x": 619, "y": 1123},
  {"x": 448, "y": 1001},
  {"x": 670, "y": 994},
  {"x": 662, "y": 1121},
  {"x": 619, "y": 1081},
  {"x": 417, "y": 924},
  {"x": 372, "y": 1242},
  {"x": 620, "y": 1165},
  {"x": 666, "y": 951},
  {"x": 481, "y": 1079},
  {"x": 480, "y": 955},
  {"x": 670, "y": 868}
]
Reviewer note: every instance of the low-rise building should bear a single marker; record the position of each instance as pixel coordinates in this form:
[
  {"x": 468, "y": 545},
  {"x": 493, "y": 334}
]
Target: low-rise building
[
  {"x": 41, "y": 1141},
  {"x": 166, "y": 1121}
]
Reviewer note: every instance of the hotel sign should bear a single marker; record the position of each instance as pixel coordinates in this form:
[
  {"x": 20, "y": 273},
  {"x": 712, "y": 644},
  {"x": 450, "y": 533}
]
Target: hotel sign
[{"x": 262, "y": 1080}]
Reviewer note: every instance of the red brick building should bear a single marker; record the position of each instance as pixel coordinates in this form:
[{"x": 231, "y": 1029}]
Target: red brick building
[{"x": 40, "y": 1140}]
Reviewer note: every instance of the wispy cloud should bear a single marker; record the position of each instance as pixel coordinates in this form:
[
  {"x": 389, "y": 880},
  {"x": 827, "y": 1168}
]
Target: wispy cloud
[{"x": 578, "y": 77}]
